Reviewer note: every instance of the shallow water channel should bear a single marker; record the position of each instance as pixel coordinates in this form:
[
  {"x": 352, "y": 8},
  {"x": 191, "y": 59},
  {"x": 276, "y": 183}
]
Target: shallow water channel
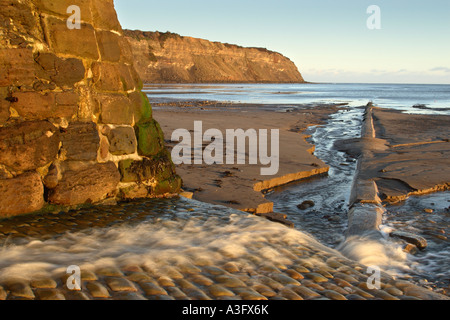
[{"x": 327, "y": 219}]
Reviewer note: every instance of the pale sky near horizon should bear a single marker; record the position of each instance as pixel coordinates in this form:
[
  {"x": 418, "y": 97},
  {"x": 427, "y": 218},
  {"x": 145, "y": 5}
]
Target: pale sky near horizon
[{"x": 328, "y": 40}]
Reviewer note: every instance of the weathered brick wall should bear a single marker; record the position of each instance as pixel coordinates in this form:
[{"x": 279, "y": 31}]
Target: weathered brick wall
[{"x": 75, "y": 127}]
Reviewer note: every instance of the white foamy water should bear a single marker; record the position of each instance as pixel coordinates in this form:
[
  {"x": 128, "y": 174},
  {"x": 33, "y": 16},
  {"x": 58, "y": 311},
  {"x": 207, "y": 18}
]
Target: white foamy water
[
  {"x": 384, "y": 254},
  {"x": 158, "y": 246}
]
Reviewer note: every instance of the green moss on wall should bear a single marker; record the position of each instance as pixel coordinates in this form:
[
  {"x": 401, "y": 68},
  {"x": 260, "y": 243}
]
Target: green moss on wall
[{"x": 150, "y": 138}]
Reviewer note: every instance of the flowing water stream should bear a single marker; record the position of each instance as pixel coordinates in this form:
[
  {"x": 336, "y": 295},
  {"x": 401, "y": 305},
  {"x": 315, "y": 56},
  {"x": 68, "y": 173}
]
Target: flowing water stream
[{"x": 327, "y": 219}]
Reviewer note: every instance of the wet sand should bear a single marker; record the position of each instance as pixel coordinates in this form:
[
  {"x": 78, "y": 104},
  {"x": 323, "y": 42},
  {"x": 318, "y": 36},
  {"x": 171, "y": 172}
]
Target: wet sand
[{"x": 240, "y": 186}]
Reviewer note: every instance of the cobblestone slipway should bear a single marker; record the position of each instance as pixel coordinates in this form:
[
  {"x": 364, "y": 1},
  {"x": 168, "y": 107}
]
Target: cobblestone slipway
[{"x": 169, "y": 249}]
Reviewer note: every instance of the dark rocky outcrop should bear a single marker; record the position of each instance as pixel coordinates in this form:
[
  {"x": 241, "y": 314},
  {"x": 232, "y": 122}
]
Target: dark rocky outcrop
[
  {"x": 170, "y": 58},
  {"x": 71, "y": 109}
]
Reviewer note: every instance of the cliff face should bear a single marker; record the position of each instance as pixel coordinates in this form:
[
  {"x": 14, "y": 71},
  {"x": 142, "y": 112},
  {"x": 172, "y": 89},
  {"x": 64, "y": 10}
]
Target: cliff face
[
  {"x": 75, "y": 127},
  {"x": 167, "y": 57}
]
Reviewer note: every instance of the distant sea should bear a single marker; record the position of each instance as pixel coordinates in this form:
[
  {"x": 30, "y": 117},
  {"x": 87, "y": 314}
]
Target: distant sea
[{"x": 426, "y": 98}]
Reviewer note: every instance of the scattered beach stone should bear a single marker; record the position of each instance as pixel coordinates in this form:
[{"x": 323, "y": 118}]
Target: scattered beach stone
[
  {"x": 416, "y": 240},
  {"x": 428, "y": 210},
  {"x": 306, "y": 205},
  {"x": 410, "y": 248}
]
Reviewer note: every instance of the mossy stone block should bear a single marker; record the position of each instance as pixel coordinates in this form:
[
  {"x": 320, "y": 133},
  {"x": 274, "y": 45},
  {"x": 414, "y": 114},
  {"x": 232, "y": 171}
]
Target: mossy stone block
[{"x": 150, "y": 138}]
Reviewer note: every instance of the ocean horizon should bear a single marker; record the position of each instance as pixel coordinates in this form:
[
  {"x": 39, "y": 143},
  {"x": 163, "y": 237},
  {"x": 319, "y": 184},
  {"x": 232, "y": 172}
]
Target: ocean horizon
[{"x": 411, "y": 98}]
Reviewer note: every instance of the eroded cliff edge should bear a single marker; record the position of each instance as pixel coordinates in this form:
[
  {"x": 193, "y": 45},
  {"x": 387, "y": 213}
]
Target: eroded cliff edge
[
  {"x": 75, "y": 127},
  {"x": 171, "y": 58}
]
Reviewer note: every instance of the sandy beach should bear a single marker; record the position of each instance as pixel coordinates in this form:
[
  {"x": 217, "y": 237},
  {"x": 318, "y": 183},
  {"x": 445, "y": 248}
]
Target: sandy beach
[
  {"x": 407, "y": 156},
  {"x": 240, "y": 186}
]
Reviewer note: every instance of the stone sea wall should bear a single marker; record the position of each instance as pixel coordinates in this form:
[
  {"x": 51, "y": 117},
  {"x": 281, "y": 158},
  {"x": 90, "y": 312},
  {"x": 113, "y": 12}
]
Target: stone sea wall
[
  {"x": 171, "y": 58},
  {"x": 75, "y": 127}
]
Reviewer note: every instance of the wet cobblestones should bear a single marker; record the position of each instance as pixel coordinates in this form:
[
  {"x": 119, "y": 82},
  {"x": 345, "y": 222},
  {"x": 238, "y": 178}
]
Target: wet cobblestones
[{"x": 177, "y": 249}]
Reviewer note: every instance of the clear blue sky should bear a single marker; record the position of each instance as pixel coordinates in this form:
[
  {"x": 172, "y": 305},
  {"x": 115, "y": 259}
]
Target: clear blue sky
[{"x": 327, "y": 39}]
